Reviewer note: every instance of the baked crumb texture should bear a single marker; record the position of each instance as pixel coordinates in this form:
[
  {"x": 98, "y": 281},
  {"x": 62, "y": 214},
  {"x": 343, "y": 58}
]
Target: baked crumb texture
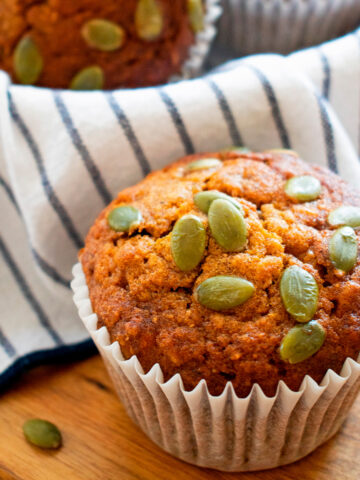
[{"x": 148, "y": 305}]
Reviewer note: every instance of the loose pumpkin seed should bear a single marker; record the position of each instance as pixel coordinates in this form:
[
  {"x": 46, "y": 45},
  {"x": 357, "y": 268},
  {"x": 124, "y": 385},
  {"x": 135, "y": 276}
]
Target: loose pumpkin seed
[
  {"x": 196, "y": 15},
  {"x": 227, "y": 225},
  {"x": 149, "y": 20},
  {"x": 343, "y": 249},
  {"x": 345, "y": 215},
  {"x": 188, "y": 241},
  {"x": 302, "y": 342},
  {"x": 103, "y": 34},
  {"x": 223, "y": 292},
  {"x": 42, "y": 433},
  {"x": 90, "y": 78},
  {"x": 121, "y": 219},
  {"x": 304, "y": 188},
  {"x": 203, "y": 163},
  {"x": 204, "y": 199},
  {"x": 28, "y": 62},
  {"x": 299, "y": 293}
]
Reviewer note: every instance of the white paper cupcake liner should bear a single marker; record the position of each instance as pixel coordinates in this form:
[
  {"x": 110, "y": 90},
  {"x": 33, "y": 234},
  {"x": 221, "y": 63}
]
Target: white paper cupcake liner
[
  {"x": 223, "y": 432},
  {"x": 252, "y": 26},
  {"x": 198, "y": 52}
]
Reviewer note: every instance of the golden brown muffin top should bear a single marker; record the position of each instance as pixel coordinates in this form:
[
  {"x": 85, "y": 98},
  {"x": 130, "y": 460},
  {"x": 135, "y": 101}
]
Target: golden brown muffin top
[{"x": 150, "y": 306}]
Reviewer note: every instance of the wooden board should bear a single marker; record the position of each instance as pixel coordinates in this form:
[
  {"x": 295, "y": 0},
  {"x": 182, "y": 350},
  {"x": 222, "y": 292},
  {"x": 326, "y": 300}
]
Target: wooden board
[{"x": 102, "y": 443}]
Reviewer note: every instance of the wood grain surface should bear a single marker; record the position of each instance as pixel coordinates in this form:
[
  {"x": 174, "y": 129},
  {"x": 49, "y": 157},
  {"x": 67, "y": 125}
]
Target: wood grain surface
[{"x": 102, "y": 443}]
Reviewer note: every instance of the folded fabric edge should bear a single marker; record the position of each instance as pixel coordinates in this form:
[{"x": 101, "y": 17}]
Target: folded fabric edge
[{"x": 61, "y": 355}]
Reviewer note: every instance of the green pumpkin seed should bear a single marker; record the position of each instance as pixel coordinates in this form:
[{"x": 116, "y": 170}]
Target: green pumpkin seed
[
  {"x": 196, "y": 15},
  {"x": 103, "y": 34},
  {"x": 343, "y": 249},
  {"x": 28, "y": 62},
  {"x": 121, "y": 219},
  {"x": 42, "y": 433},
  {"x": 302, "y": 342},
  {"x": 222, "y": 292},
  {"x": 204, "y": 199},
  {"x": 203, "y": 163},
  {"x": 188, "y": 241},
  {"x": 227, "y": 225},
  {"x": 283, "y": 151},
  {"x": 345, "y": 215},
  {"x": 303, "y": 189},
  {"x": 299, "y": 293},
  {"x": 90, "y": 78},
  {"x": 149, "y": 20}
]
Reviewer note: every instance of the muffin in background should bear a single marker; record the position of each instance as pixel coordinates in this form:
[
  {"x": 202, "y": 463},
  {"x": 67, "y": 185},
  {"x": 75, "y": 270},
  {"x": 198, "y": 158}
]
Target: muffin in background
[
  {"x": 223, "y": 294},
  {"x": 89, "y": 44},
  {"x": 282, "y": 26}
]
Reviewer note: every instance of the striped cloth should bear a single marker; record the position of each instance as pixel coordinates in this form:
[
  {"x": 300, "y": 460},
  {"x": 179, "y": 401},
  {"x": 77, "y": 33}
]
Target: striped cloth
[{"x": 66, "y": 154}]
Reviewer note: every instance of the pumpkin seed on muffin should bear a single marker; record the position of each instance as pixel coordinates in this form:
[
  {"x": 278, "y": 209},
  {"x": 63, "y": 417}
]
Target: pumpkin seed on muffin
[
  {"x": 103, "y": 34},
  {"x": 227, "y": 225},
  {"x": 343, "y": 249},
  {"x": 28, "y": 62},
  {"x": 299, "y": 292},
  {"x": 149, "y": 20},
  {"x": 345, "y": 215},
  {"x": 122, "y": 219},
  {"x": 302, "y": 342},
  {"x": 204, "y": 199},
  {"x": 90, "y": 78},
  {"x": 196, "y": 15},
  {"x": 203, "y": 163},
  {"x": 223, "y": 292},
  {"x": 188, "y": 241},
  {"x": 304, "y": 188}
]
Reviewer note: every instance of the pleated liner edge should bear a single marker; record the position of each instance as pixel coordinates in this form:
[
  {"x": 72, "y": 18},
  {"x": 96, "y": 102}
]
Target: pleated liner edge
[{"x": 223, "y": 432}]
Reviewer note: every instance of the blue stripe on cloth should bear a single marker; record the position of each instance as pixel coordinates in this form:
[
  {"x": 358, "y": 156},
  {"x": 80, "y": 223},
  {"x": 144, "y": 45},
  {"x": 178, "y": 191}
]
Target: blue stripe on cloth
[
  {"x": 81, "y": 148},
  {"x": 327, "y": 73},
  {"x": 9, "y": 193},
  {"x": 44, "y": 266},
  {"x": 7, "y": 345},
  {"x": 226, "y": 111},
  {"x": 177, "y": 120},
  {"x": 50, "y": 193},
  {"x": 68, "y": 353},
  {"x": 275, "y": 109},
  {"x": 28, "y": 295},
  {"x": 129, "y": 132},
  {"x": 49, "y": 270},
  {"x": 328, "y": 135}
]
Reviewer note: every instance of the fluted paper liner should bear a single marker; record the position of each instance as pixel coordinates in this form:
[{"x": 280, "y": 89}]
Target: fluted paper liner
[
  {"x": 223, "y": 432},
  {"x": 252, "y": 26},
  {"x": 203, "y": 40}
]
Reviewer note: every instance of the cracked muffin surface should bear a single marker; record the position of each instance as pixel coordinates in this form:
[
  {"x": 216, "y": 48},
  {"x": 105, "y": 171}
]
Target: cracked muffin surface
[{"x": 150, "y": 306}]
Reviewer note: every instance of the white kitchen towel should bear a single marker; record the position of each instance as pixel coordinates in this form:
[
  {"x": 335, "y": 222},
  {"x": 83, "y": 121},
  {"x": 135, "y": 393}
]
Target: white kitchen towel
[{"x": 65, "y": 155}]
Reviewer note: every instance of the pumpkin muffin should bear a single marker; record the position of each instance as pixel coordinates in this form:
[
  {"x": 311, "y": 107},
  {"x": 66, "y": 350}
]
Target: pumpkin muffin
[
  {"x": 232, "y": 266},
  {"x": 89, "y": 44}
]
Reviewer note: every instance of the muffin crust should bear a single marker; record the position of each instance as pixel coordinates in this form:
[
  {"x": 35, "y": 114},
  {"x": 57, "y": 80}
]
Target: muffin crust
[{"x": 148, "y": 305}]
